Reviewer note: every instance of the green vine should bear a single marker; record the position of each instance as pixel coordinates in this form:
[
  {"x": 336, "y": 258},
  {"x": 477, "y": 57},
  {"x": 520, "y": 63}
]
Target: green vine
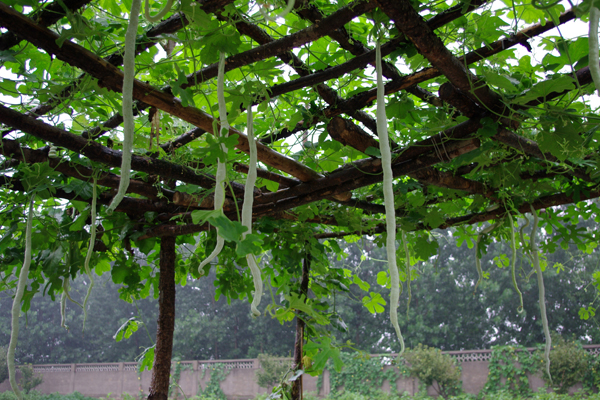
[
  {"x": 363, "y": 374},
  {"x": 508, "y": 369},
  {"x": 218, "y": 373}
]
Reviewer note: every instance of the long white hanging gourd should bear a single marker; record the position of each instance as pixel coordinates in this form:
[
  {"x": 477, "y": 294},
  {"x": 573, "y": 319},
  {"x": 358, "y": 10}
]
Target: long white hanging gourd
[
  {"x": 477, "y": 257},
  {"x": 593, "y": 43},
  {"x": 128, "y": 123},
  {"x": 286, "y": 11},
  {"x": 221, "y": 165},
  {"x": 388, "y": 199},
  {"x": 542, "y": 292},
  {"x": 247, "y": 214},
  {"x": 88, "y": 256},
  {"x": 158, "y": 16},
  {"x": 16, "y": 306},
  {"x": 513, "y": 263},
  {"x": 408, "y": 273}
]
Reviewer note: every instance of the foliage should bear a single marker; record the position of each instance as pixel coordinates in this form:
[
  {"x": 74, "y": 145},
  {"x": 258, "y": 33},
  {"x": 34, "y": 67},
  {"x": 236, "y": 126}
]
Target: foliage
[
  {"x": 433, "y": 368},
  {"x": 29, "y": 379},
  {"x": 218, "y": 372},
  {"x": 273, "y": 370},
  {"x": 509, "y": 370},
  {"x": 591, "y": 380},
  {"x": 362, "y": 374},
  {"x": 569, "y": 364}
]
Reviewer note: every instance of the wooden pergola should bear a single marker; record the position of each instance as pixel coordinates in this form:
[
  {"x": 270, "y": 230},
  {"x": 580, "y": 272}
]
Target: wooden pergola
[{"x": 443, "y": 164}]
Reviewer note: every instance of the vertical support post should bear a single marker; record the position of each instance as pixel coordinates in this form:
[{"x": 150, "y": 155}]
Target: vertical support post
[
  {"x": 194, "y": 391},
  {"x": 159, "y": 385},
  {"x": 297, "y": 384},
  {"x": 121, "y": 378},
  {"x": 73, "y": 377}
]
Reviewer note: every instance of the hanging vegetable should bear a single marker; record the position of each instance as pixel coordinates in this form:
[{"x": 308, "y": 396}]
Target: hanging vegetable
[
  {"x": 388, "y": 199},
  {"x": 478, "y": 256},
  {"x": 513, "y": 263},
  {"x": 593, "y": 43},
  {"x": 88, "y": 256},
  {"x": 16, "y": 306},
  {"x": 158, "y": 16},
  {"x": 128, "y": 123},
  {"x": 408, "y": 273},
  {"x": 541, "y": 290},
  {"x": 221, "y": 175},
  {"x": 286, "y": 11}
]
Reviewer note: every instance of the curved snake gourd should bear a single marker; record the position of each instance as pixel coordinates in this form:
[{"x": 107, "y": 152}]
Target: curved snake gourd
[
  {"x": 128, "y": 123},
  {"x": 513, "y": 264},
  {"x": 247, "y": 213},
  {"x": 221, "y": 175},
  {"x": 388, "y": 198},
  {"x": 477, "y": 257},
  {"x": 158, "y": 16},
  {"x": 286, "y": 11},
  {"x": 16, "y": 306},
  {"x": 542, "y": 292},
  {"x": 88, "y": 256},
  {"x": 408, "y": 279},
  {"x": 593, "y": 43}
]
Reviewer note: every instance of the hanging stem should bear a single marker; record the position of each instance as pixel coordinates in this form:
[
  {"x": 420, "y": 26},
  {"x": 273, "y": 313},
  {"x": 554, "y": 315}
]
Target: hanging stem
[
  {"x": 88, "y": 256},
  {"x": 478, "y": 257},
  {"x": 128, "y": 123},
  {"x": 542, "y": 292},
  {"x": 16, "y": 306},
  {"x": 513, "y": 263},
  {"x": 247, "y": 214},
  {"x": 286, "y": 11},
  {"x": 388, "y": 199}
]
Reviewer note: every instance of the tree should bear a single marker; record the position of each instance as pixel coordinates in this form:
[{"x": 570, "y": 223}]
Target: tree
[{"x": 507, "y": 134}]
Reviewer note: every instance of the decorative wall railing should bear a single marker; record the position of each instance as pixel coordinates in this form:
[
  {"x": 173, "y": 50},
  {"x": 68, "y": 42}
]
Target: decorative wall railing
[{"x": 117, "y": 379}]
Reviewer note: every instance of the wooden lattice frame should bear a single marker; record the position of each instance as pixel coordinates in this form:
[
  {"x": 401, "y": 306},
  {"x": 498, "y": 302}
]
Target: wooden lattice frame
[{"x": 426, "y": 160}]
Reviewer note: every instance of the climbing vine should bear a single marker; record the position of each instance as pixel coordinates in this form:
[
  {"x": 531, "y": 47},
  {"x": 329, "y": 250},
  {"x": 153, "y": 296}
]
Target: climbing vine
[{"x": 509, "y": 370}]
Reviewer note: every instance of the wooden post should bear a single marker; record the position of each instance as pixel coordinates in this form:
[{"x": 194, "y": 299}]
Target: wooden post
[
  {"x": 159, "y": 385},
  {"x": 297, "y": 384}
]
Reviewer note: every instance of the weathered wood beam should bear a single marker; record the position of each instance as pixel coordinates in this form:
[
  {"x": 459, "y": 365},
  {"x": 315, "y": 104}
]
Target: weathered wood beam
[
  {"x": 538, "y": 204},
  {"x": 297, "y": 39},
  {"x": 12, "y": 148},
  {"x": 96, "y": 152},
  {"x": 111, "y": 77},
  {"x": 45, "y": 17},
  {"x": 409, "y": 22},
  {"x": 129, "y": 205},
  {"x": 367, "y": 97}
]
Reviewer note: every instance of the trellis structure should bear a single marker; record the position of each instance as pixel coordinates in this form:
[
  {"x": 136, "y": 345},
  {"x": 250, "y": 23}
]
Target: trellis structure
[{"x": 503, "y": 134}]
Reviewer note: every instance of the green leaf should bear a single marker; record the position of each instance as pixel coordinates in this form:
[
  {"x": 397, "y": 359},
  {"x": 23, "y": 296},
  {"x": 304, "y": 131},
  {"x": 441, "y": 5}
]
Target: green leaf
[
  {"x": 127, "y": 329},
  {"x": 374, "y": 303}
]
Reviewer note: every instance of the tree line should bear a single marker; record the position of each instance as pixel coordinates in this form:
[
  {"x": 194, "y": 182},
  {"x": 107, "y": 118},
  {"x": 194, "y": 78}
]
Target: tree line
[{"x": 444, "y": 311}]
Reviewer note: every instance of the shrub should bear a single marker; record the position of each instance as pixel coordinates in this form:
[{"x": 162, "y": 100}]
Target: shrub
[
  {"x": 272, "y": 370},
  {"x": 568, "y": 364},
  {"x": 430, "y": 366},
  {"x": 29, "y": 379}
]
